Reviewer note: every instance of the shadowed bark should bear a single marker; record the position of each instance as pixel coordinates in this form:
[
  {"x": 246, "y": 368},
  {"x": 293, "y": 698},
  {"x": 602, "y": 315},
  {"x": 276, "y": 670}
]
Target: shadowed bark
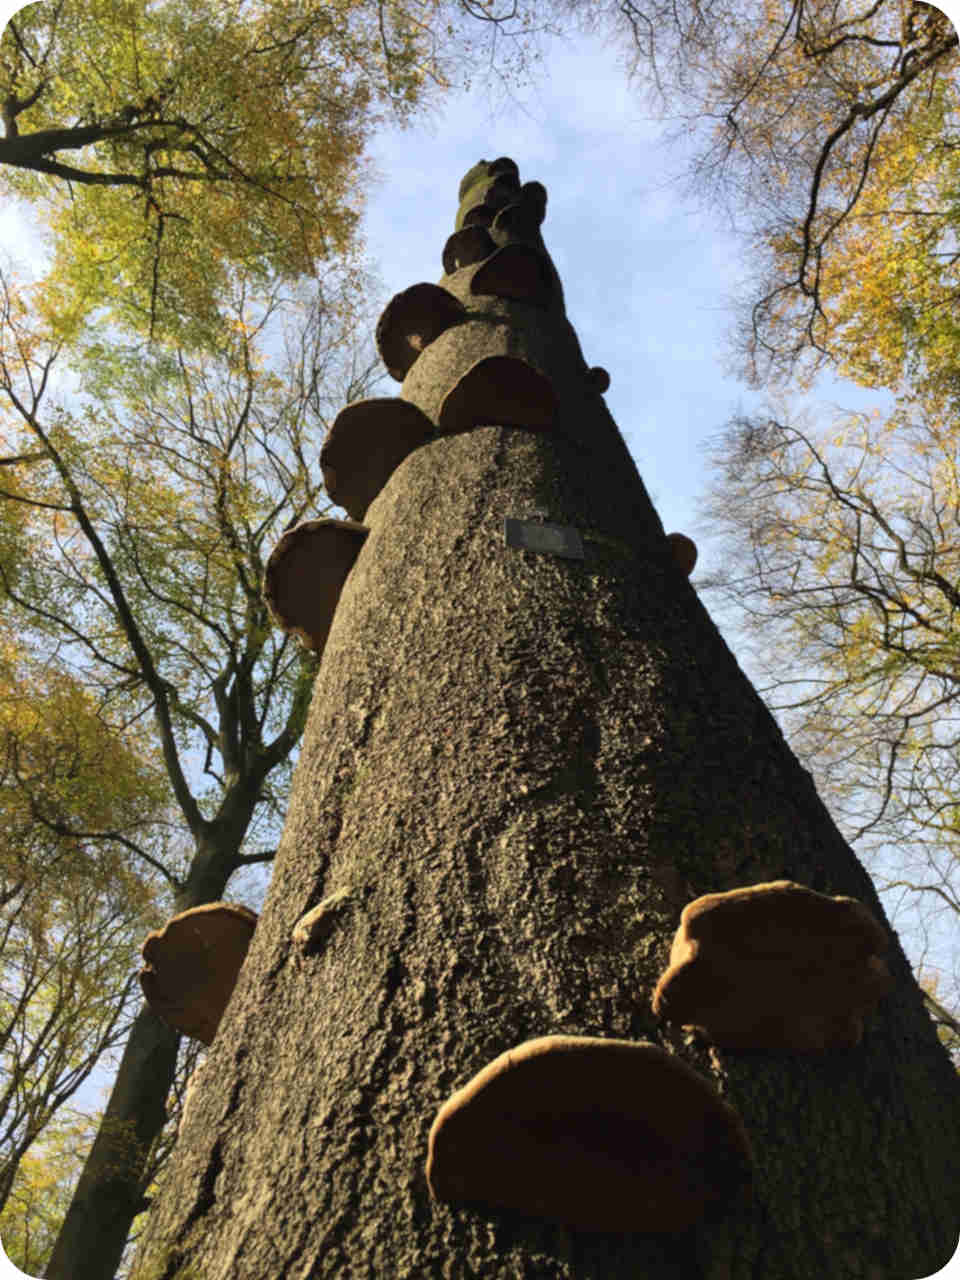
[{"x": 518, "y": 767}]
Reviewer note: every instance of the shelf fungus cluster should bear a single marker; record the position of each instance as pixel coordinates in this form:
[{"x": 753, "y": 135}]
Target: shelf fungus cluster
[
  {"x": 602, "y": 1135},
  {"x": 479, "y": 371},
  {"x": 775, "y": 966},
  {"x": 191, "y": 966},
  {"x": 612, "y": 1135}
]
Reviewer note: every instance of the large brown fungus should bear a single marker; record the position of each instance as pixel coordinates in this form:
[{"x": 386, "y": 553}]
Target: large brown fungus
[
  {"x": 192, "y": 963},
  {"x": 774, "y": 966},
  {"x": 495, "y": 196},
  {"x": 499, "y": 391},
  {"x": 515, "y": 271},
  {"x": 683, "y": 552},
  {"x": 603, "y": 1135},
  {"x": 367, "y": 442},
  {"x": 522, "y": 218},
  {"x": 466, "y": 247},
  {"x": 305, "y": 575},
  {"x": 411, "y": 321}
]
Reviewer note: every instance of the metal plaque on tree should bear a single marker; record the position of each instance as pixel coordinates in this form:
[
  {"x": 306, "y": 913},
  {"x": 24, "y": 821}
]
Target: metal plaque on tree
[{"x": 530, "y": 535}]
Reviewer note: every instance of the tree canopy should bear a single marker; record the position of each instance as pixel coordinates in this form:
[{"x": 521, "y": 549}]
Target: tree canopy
[
  {"x": 73, "y": 795},
  {"x": 827, "y": 128},
  {"x": 843, "y": 555},
  {"x": 160, "y": 490},
  {"x": 169, "y": 144}
]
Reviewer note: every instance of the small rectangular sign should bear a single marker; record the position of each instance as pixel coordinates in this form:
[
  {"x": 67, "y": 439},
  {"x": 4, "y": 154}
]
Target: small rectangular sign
[{"x": 554, "y": 539}]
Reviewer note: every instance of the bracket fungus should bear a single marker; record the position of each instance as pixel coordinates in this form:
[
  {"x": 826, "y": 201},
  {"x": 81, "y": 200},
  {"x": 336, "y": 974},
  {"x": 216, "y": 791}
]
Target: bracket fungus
[
  {"x": 683, "y": 551},
  {"x": 599, "y": 379},
  {"x": 305, "y": 575},
  {"x": 466, "y": 247},
  {"x": 192, "y": 963},
  {"x": 499, "y": 391},
  {"x": 602, "y": 1135},
  {"x": 774, "y": 966},
  {"x": 516, "y": 222},
  {"x": 515, "y": 271},
  {"x": 411, "y": 321},
  {"x": 367, "y": 442}
]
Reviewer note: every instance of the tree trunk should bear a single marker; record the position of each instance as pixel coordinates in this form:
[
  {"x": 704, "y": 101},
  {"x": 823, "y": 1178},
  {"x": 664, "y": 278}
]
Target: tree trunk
[
  {"x": 518, "y": 767},
  {"x": 110, "y": 1191}
]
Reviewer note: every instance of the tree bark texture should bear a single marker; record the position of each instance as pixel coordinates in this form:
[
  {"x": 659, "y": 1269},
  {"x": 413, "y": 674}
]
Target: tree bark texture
[{"x": 518, "y": 768}]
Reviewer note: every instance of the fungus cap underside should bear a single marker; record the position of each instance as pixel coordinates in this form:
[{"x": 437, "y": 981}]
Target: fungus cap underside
[
  {"x": 306, "y": 573},
  {"x": 367, "y": 442},
  {"x": 499, "y": 391},
  {"x": 683, "y": 551},
  {"x": 603, "y": 1135},
  {"x": 517, "y": 271},
  {"x": 775, "y": 966},
  {"x": 466, "y": 247},
  {"x": 410, "y": 321},
  {"x": 192, "y": 963}
]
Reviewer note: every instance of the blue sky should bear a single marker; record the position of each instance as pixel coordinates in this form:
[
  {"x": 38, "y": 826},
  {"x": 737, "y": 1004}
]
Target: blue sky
[{"x": 646, "y": 273}]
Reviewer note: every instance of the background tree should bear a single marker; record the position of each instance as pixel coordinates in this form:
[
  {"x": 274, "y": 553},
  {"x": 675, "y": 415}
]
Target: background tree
[
  {"x": 165, "y": 145},
  {"x": 72, "y": 792},
  {"x": 164, "y": 478},
  {"x": 168, "y": 144},
  {"x": 48, "y": 1173},
  {"x": 841, "y": 542}
]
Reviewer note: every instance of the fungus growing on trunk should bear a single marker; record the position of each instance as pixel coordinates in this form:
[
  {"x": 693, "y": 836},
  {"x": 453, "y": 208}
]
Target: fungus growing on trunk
[
  {"x": 192, "y": 963},
  {"x": 602, "y": 1135},
  {"x": 466, "y": 247},
  {"x": 411, "y": 321},
  {"x": 774, "y": 966},
  {"x": 499, "y": 391},
  {"x": 496, "y": 196},
  {"x": 515, "y": 271},
  {"x": 305, "y": 575},
  {"x": 523, "y": 217},
  {"x": 599, "y": 379},
  {"x": 684, "y": 552},
  {"x": 367, "y": 442}
]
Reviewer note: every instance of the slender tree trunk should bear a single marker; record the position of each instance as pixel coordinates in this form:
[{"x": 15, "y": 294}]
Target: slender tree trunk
[
  {"x": 517, "y": 769},
  {"x": 110, "y": 1191}
]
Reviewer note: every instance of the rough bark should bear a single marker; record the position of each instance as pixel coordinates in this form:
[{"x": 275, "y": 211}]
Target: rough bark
[{"x": 517, "y": 769}]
